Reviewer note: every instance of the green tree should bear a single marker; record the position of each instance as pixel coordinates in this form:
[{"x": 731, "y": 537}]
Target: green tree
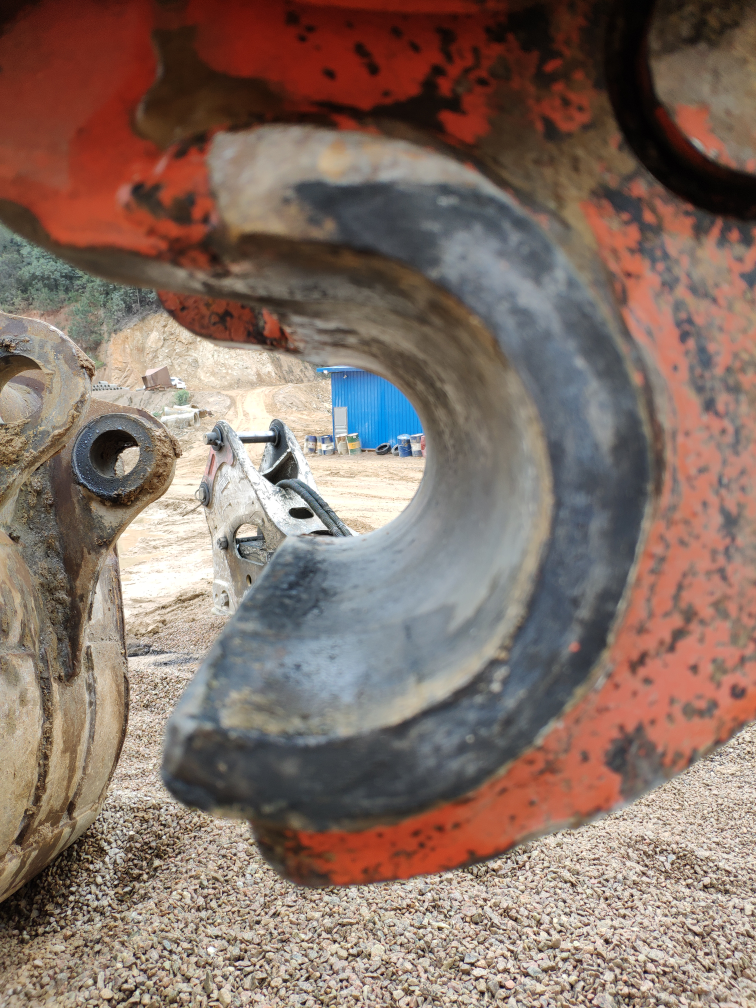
[{"x": 33, "y": 280}]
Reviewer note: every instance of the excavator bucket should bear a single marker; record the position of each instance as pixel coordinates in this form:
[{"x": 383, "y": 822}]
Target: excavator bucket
[
  {"x": 63, "y": 503},
  {"x": 536, "y": 219}
]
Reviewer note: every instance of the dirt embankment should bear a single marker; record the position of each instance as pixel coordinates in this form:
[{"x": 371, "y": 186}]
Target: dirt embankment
[
  {"x": 157, "y": 339},
  {"x": 59, "y": 317}
]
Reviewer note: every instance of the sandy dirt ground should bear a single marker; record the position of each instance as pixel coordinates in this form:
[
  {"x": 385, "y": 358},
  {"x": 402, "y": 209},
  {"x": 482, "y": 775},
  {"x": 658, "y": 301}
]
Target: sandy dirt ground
[{"x": 159, "y": 905}]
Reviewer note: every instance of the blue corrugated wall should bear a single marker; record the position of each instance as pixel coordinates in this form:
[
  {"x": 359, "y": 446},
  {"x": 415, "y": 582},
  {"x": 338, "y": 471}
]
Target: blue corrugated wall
[{"x": 376, "y": 410}]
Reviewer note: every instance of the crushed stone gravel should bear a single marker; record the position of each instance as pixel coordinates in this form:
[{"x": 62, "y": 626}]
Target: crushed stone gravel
[{"x": 158, "y": 905}]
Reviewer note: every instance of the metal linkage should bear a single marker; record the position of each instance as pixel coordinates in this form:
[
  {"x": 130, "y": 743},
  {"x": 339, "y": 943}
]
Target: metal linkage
[
  {"x": 63, "y": 504},
  {"x": 215, "y": 439},
  {"x": 261, "y": 437},
  {"x": 267, "y": 503}
]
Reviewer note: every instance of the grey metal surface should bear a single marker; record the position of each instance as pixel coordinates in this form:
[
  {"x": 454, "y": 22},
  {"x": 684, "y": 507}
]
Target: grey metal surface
[{"x": 240, "y": 495}]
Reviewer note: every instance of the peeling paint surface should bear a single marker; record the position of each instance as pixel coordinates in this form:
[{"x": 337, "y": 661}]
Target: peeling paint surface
[{"x": 517, "y": 91}]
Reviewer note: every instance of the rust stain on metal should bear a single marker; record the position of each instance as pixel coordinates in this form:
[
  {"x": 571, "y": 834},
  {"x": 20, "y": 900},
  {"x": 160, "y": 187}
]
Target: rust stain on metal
[{"x": 189, "y": 97}]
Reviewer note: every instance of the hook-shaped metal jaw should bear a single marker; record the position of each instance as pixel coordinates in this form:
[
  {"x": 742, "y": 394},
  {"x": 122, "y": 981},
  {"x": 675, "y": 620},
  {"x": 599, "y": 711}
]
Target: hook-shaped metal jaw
[{"x": 365, "y": 680}]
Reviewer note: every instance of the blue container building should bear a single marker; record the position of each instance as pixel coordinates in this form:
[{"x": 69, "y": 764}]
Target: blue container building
[{"x": 375, "y": 410}]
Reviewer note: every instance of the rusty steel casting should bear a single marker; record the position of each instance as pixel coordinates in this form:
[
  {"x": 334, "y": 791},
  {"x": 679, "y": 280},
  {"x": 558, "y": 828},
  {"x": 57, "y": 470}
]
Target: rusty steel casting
[
  {"x": 533, "y": 218},
  {"x": 63, "y": 685}
]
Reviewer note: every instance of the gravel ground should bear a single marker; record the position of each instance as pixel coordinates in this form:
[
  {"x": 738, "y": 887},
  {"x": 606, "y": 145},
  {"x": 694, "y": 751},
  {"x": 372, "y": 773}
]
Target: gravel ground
[{"x": 158, "y": 905}]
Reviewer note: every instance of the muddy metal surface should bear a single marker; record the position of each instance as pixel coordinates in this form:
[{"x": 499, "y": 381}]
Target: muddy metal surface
[{"x": 63, "y": 688}]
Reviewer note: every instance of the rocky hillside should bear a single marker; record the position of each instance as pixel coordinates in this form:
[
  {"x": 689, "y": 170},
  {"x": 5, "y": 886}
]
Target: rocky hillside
[{"x": 157, "y": 339}]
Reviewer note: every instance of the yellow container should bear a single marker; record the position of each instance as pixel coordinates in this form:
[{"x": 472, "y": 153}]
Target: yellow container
[{"x": 353, "y": 443}]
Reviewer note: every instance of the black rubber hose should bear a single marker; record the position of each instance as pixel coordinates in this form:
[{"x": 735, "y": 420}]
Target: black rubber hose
[{"x": 312, "y": 498}]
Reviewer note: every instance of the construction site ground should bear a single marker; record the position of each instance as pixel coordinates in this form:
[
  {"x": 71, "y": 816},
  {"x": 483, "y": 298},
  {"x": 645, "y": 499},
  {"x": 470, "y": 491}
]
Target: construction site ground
[{"x": 160, "y": 905}]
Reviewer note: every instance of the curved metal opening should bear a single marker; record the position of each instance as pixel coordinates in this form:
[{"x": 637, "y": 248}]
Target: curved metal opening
[
  {"x": 415, "y": 608},
  {"x": 650, "y": 70},
  {"x": 357, "y": 666},
  {"x": 22, "y": 388},
  {"x": 105, "y": 452},
  {"x": 97, "y": 453}
]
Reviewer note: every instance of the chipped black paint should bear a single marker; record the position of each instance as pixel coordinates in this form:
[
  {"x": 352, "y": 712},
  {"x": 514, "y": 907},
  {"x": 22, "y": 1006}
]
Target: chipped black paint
[
  {"x": 690, "y": 711},
  {"x": 421, "y": 110},
  {"x": 635, "y": 758}
]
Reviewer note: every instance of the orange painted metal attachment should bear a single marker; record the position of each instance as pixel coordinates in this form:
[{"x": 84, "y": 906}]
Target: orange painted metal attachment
[{"x": 535, "y": 220}]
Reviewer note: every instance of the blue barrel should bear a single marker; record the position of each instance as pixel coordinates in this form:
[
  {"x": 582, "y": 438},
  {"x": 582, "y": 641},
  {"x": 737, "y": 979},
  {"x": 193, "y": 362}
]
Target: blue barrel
[
  {"x": 311, "y": 444},
  {"x": 326, "y": 444},
  {"x": 405, "y": 446}
]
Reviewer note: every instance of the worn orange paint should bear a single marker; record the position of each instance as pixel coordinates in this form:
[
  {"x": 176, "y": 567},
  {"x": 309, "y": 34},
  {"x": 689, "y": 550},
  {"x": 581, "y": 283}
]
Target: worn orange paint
[
  {"x": 71, "y": 81},
  {"x": 416, "y": 6},
  {"x": 71, "y": 153},
  {"x": 229, "y": 321},
  {"x": 695, "y": 123},
  {"x": 682, "y": 662}
]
